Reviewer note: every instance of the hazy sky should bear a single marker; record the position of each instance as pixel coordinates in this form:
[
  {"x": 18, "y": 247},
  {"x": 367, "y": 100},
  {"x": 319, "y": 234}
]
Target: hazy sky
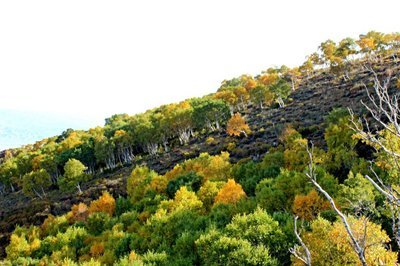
[{"x": 97, "y": 58}]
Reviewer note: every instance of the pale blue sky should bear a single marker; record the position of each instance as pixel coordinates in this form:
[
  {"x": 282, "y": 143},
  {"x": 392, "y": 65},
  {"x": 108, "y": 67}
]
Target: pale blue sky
[{"x": 96, "y": 58}]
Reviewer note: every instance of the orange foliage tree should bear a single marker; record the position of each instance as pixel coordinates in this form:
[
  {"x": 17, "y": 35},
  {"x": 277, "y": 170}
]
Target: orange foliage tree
[
  {"x": 237, "y": 125},
  {"x": 106, "y": 204},
  {"x": 79, "y": 212},
  {"x": 97, "y": 249},
  {"x": 308, "y": 206},
  {"x": 230, "y": 193}
]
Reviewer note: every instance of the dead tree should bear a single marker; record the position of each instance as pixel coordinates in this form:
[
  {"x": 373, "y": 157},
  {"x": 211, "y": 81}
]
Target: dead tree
[
  {"x": 385, "y": 113},
  {"x": 295, "y": 251},
  {"x": 357, "y": 245}
]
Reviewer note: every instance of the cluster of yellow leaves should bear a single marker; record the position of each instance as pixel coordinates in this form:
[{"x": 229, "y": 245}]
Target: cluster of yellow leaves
[
  {"x": 159, "y": 184},
  {"x": 97, "y": 249},
  {"x": 208, "y": 191},
  {"x": 79, "y": 212},
  {"x": 366, "y": 44},
  {"x": 227, "y": 96},
  {"x": 106, "y": 204},
  {"x": 237, "y": 125},
  {"x": 184, "y": 200},
  {"x": 139, "y": 182},
  {"x": 329, "y": 244},
  {"x": 230, "y": 193},
  {"x": 74, "y": 139},
  {"x": 295, "y": 154},
  {"x": 213, "y": 168},
  {"x": 308, "y": 206},
  {"x": 23, "y": 242},
  {"x": 249, "y": 82},
  {"x": 268, "y": 78}
]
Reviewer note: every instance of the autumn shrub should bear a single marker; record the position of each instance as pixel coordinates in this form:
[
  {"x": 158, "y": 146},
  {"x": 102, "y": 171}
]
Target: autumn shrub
[
  {"x": 138, "y": 182},
  {"x": 97, "y": 249},
  {"x": 308, "y": 206},
  {"x": 230, "y": 193},
  {"x": 208, "y": 191},
  {"x": 105, "y": 204},
  {"x": 79, "y": 212},
  {"x": 230, "y": 146},
  {"x": 51, "y": 225},
  {"x": 213, "y": 168},
  {"x": 330, "y": 244},
  {"x": 237, "y": 125}
]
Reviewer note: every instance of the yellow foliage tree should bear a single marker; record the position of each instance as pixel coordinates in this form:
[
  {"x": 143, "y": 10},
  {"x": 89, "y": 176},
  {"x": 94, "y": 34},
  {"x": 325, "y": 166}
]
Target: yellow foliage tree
[
  {"x": 97, "y": 249},
  {"x": 106, "y": 204},
  {"x": 208, "y": 191},
  {"x": 184, "y": 200},
  {"x": 227, "y": 96},
  {"x": 237, "y": 125},
  {"x": 139, "y": 182},
  {"x": 213, "y": 168},
  {"x": 309, "y": 206},
  {"x": 268, "y": 78},
  {"x": 159, "y": 184},
  {"x": 23, "y": 242},
  {"x": 230, "y": 193},
  {"x": 330, "y": 244}
]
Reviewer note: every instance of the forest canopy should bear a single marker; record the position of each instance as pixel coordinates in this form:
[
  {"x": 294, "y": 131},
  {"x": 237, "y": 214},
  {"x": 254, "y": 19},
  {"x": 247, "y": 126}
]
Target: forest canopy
[{"x": 295, "y": 203}]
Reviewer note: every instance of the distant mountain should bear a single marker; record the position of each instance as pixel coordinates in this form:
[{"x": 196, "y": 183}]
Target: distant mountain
[{"x": 24, "y": 127}]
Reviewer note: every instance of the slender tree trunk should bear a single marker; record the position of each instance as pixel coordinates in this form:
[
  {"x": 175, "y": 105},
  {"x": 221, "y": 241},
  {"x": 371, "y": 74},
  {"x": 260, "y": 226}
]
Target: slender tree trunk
[
  {"x": 280, "y": 102},
  {"x": 356, "y": 245},
  {"x": 37, "y": 193},
  {"x": 78, "y": 186}
]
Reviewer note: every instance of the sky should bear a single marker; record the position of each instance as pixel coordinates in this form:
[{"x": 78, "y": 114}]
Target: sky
[{"x": 91, "y": 59}]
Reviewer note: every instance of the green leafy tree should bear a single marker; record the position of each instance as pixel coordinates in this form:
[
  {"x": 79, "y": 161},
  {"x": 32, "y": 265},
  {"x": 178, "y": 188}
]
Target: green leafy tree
[
  {"x": 282, "y": 90},
  {"x": 74, "y": 175},
  {"x": 262, "y": 96},
  {"x": 259, "y": 228},
  {"x": 139, "y": 182},
  {"x": 210, "y": 113},
  {"x": 341, "y": 153},
  {"x": 248, "y": 175},
  {"x": 36, "y": 183},
  {"x": 357, "y": 195},
  {"x": 215, "y": 248},
  {"x": 190, "y": 180}
]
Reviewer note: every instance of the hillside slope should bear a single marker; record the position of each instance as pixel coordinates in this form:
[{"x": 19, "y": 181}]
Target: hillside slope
[{"x": 305, "y": 111}]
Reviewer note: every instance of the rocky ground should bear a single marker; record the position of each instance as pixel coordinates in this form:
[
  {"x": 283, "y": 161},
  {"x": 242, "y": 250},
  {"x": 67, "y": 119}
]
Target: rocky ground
[{"x": 305, "y": 110}]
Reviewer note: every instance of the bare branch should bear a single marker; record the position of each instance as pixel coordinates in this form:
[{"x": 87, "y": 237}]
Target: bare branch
[
  {"x": 384, "y": 110},
  {"x": 357, "y": 247},
  {"x": 306, "y": 259}
]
